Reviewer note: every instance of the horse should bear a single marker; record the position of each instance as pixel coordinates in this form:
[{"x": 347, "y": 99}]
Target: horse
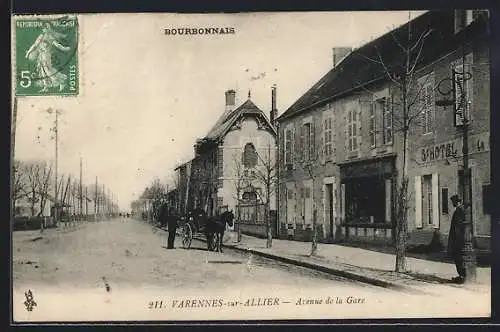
[{"x": 215, "y": 228}]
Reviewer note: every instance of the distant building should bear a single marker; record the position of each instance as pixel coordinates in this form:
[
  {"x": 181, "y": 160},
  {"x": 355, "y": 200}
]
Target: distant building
[{"x": 344, "y": 131}]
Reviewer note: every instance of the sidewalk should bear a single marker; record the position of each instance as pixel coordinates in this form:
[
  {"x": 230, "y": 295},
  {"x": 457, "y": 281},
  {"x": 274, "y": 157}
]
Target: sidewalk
[
  {"x": 34, "y": 235},
  {"x": 359, "y": 264}
]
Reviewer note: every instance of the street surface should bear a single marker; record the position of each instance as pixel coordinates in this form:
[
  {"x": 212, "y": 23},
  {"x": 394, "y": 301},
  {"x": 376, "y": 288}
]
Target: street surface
[
  {"x": 119, "y": 270},
  {"x": 130, "y": 253}
]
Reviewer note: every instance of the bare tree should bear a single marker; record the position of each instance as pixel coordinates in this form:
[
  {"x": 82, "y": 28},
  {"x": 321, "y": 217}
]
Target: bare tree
[
  {"x": 32, "y": 171},
  {"x": 407, "y": 105},
  {"x": 20, "y": 186},
  {"x": 308, "y": 156},
  {"x": 266, "y": 173},
  {"x": 44, "y": 185},
  {"x": 308, "y": 167},
  {"x": 239, "y": 183},
  {"x": 157, "y": 195}
]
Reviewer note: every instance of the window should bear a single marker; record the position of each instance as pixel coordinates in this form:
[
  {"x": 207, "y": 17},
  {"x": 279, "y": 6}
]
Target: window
[
  {"x": 365, "y": 200},
  {"x": 427, "y": 107},
  {"x": 352, "y": 131},
  {"x": 305, "y": 139},
  {"x": 427, "y": 199},
  {"x": 444, "y": 201},
  {"x": 249, "y": 197},
  {"x": 387, "y": 121},
  {"x": 288, "y": 146},
  {"x": 327, "y": 137},
  {"x": 327, "y": 127},
  {"x": 250, "y": 157},
  {"x": 307, "y": 204},
  {"x": 373, "y": 126}
]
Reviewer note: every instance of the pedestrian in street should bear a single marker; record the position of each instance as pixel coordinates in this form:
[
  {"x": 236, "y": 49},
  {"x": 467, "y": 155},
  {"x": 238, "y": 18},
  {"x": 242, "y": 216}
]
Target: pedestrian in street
[
  {"x": 171, "y": 227},
  {"x": 456, "y": 238}
]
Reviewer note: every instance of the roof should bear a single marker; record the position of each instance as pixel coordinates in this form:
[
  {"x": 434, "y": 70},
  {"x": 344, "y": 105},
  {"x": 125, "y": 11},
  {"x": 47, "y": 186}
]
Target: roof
[
  {"x": 360, "y": 67},
  {"x": 228, "y": 118}
]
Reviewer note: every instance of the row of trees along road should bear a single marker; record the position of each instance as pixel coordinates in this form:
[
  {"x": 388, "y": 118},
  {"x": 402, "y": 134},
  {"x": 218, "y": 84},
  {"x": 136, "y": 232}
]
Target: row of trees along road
[{"x": 33, "y": 181}]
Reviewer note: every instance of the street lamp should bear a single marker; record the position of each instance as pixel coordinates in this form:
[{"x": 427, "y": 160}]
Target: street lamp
[{"x": 461, "y": 120}]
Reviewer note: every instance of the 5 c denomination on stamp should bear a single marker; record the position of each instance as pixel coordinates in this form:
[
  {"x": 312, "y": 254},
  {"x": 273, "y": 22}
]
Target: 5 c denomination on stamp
[{"x": 46, "y": 56}]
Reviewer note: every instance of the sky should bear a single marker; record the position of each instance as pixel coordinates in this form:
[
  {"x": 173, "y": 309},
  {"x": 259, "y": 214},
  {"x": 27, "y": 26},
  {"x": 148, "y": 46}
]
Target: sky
[{"x": 145, "y": 96}]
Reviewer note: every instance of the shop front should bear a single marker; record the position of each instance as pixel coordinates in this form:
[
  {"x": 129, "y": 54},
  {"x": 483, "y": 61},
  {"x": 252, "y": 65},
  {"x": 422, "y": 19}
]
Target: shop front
[
  {"x": 437, "y": 174},
  {"x": 367, "y": 199}
]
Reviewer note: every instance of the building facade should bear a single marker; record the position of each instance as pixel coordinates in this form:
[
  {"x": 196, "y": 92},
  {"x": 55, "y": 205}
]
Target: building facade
[
  {"x": 232, "y": 162},
  {"x": 342, "y": 151}
]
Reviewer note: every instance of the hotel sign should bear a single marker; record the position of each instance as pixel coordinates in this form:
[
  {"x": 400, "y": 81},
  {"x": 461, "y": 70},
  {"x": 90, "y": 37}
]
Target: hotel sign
[{"x": 453, "y": 149}]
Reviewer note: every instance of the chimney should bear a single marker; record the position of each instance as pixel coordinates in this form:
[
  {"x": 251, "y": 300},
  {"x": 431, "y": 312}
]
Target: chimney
[
  {"x": 274, "y": 110},
  {"x": 230, "y": 100},
  {"x": 339, "y": 53}
]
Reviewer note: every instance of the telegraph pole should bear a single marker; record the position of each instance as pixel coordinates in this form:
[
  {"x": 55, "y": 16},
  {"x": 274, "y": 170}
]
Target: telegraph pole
[
  {"x": 81, "y": 191},
  {"x": 12, "y": 156},
  {"x": 469, "y": 256},
  {"x": 96, "y": 203},
  {"x": 56, "y": 136},
  {"x": 103, "y": 199},
  {"x": 460, "y": 108},
  {"x": 86, "y": 204}
]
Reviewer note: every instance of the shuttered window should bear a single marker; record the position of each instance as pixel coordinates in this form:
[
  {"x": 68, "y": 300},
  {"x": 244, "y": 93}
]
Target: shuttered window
[
  {"x": 352, "y": 131},
  {"x": 387, "y": 121},
  {"x": 373, "y": 126},
  {"x": 435, "y": 200}
]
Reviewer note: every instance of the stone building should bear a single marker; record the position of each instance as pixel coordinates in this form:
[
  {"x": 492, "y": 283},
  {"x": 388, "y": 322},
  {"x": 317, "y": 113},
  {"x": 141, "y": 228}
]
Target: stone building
[
  {"x": 341, "y": 143},
  {"x": 228, "y": 159}
]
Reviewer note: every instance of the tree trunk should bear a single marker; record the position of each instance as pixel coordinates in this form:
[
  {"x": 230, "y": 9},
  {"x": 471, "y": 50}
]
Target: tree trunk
[
  {"x": 269, "y": 242},
  {"x": 32, "y": 206},
  {"x": 402, "y": 212},
  {"x": 314, "y": 242},
  {"x": 238, "y": 213}
]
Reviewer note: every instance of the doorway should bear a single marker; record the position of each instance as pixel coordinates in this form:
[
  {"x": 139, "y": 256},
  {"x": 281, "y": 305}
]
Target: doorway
[{"x": 330, "y": 207}]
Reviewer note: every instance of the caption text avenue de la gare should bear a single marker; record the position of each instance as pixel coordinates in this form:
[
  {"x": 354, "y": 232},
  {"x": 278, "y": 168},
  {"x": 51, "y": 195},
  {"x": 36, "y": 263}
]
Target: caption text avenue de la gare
[
  {"x": 199, "y": 31},
  {"x": 253, "y": 302}
]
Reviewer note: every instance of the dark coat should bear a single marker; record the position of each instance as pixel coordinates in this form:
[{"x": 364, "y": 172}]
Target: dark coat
[
  {"x": 172, "y": 222},
  {"x": 456, "y": 236}
]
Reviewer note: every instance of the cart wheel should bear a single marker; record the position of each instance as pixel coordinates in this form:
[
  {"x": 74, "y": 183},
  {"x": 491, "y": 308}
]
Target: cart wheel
[{"x": 187, "y": 236}]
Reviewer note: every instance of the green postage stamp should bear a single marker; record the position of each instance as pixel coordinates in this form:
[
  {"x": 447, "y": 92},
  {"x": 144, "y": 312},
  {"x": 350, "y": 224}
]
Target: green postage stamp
[{"x": 46, "y": 57}]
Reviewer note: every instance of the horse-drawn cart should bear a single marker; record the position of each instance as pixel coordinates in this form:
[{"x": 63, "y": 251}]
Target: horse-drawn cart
[{"x": 197, "y": 222}]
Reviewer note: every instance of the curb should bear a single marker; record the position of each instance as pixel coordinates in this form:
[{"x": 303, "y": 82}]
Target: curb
[{"x": 332, "y": 271}]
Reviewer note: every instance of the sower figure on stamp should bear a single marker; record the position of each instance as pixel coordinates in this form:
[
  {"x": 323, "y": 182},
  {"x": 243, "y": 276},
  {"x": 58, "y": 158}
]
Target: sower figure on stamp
[
  {"x": 172, "y": 227},
  {"x": 41, "y": 52},
  {"x": 456, "y": 238}
]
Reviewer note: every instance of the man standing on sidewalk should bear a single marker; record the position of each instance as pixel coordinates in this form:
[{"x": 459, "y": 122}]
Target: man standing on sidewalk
[
  {"x": 456, "y": 238},
  {"x": 172, "y": 227}
]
